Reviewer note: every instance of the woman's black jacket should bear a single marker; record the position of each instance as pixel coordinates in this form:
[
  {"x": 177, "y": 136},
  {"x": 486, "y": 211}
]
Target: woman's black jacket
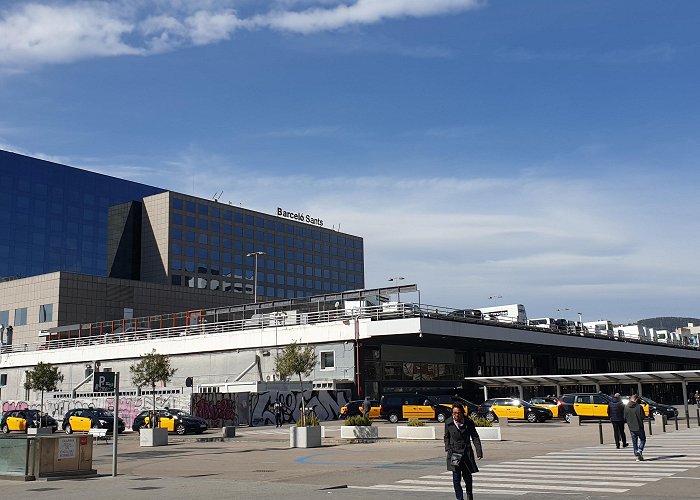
[{"x": 457, "y": 441}]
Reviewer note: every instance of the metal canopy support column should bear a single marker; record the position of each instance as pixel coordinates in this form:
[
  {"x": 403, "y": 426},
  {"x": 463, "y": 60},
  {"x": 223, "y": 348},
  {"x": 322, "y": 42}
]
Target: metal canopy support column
[
  {"x": 639, "y": 388},
  {"x": 558, "y": 390},
  {"x": 685, "y": 402},
  {"x": 520, "y": 391},
  {"x": 597, "y": 387},
  {"x": 486, "y": 394}
]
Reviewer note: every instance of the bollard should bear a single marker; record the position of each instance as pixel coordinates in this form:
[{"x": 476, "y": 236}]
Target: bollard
[
  {"x": 698, "y": 412},
  {"x": 675, "y": 419},
  {"x": 687, "y": 418},
  {"x": 600, "y": 430},
  {"x": 651, "y": 433}
]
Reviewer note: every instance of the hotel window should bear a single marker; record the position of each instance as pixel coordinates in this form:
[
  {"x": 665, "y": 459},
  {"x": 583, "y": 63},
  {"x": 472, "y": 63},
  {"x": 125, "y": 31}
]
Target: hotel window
[
  {"x": 21, "y": 316},
  {"x": 327, "y": 360},
  {"x": 45, "y": 313}
]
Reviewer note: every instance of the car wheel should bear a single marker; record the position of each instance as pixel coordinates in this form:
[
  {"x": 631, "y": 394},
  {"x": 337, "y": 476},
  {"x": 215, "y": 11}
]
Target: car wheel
[
  {"x": 532, "y": 418},
  {"x": 393, "y": 418},
  {"x": 567, "y": 417},
  {"x": 441, "y": 417},
  {"x": 67, "y": 429},
  {"x": 180, "y": 429},
  {"x": 5, "y": 429},
  {"x": 491, "y": 417}
]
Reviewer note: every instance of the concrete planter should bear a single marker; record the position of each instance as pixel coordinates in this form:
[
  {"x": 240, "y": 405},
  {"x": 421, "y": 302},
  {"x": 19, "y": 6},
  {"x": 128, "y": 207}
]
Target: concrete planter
[
  {"x": 153, "y": 437},
  {"x": 359, "y": 432},
  {"x": 305, "y": 437},
  {"x": 406, "y": 432},
  {"x": 489, "y": 433}
]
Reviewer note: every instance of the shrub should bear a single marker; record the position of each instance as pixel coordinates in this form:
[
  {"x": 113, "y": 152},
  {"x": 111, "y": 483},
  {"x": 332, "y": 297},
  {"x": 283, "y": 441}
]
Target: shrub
[
  {"x": 480, "y": 421},
  {"x": 309, "y": 421},
  {"x": 414, "y": 422},
  {"x": 358, "y": 420}
]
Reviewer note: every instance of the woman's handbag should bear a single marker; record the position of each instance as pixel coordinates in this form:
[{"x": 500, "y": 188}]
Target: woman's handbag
[{"x": 456, "y": 459}]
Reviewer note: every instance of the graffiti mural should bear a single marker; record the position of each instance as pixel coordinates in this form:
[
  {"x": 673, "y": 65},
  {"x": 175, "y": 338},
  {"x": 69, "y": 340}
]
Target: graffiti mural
[
  {"x": 256, "y": 408},
  {"x": 129, "y": 406}
]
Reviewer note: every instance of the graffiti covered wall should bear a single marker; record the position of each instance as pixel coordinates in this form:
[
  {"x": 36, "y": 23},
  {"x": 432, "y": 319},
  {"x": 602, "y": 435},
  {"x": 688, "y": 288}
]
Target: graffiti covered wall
[
  {"x": 256, "y": 408},
  {"x": 129, "y": 406}
]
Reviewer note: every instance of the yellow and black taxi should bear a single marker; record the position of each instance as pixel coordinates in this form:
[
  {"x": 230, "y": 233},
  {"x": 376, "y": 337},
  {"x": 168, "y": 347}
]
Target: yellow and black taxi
[
  {"x": 400, "y": 406},
  {"x": 512, "y": 408},
  {"x": 355, "y": 408},
  {"x": 448, "y": 400},
  {"x": 551, "y": 403},
  {"x": 178, "y": 421},
  {"x": 21, "y": 420},
  {"x": 584, "y": 405},
  {"x": 84, "y": 419}
]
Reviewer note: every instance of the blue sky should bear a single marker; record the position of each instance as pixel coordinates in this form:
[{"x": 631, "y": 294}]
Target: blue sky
[{"x": 542, "y": 151}]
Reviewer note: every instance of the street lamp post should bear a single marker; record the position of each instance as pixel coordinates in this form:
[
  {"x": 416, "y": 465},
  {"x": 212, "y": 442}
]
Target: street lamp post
[
  {"x": 255, "y": 273},
  {"x": 396, "y": 280}
]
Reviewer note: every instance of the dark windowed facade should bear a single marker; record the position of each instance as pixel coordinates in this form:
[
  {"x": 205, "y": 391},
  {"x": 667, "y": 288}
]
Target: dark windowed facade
[
  {"x": 54, "y": 217},
  {"x": 208, "y": 245}
]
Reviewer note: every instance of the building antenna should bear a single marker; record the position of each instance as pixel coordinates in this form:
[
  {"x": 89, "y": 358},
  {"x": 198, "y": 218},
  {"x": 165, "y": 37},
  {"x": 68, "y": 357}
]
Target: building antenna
[{"x": 217, "y": 195}]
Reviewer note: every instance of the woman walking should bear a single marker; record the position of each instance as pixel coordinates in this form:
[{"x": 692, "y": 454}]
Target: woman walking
[{"x": 460, "y": 455}]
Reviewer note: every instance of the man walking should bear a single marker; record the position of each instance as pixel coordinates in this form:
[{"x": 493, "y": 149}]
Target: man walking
[
  {"x": 634, "y": 415},
  {"x": 616, "y": 414},
  {"x": 277, "y": 410},
  {"x": 366, "y": 407},
  {"x": 697, "y": 398}
]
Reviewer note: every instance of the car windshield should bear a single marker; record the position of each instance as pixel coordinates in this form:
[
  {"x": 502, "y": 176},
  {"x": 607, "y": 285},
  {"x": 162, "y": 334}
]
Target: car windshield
[
  {"x": 650, "y": 401},
  {"x": 100, "y": 412},
  {"x": 179, "y": 413}
]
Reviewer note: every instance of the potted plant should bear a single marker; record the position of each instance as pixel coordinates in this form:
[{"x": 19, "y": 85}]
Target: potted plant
[
  {"x": 306, "y": 433},
  {"x": 485, "y": 429},
  {"x": 415, "y": 429},
  {"x": 152, "y": 368},
  {"x": 297, "y": 360},
  {"x": 358, "y": 427}
]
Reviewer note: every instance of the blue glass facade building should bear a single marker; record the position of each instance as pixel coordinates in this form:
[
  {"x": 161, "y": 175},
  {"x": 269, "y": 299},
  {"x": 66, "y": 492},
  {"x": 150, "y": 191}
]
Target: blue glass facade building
[{"x": 55, "y": 218}]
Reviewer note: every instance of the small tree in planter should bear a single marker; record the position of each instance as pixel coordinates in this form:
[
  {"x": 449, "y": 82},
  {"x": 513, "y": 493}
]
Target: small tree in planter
[
  {"x": 152, "y": 368},
  {"x": 43, "y": 377},
  {"x": 296, "y": 360},
  {"x": 358, "y": 427}
]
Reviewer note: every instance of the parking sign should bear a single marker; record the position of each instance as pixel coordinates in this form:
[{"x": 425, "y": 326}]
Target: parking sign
[{"x": 103, "y": 382}]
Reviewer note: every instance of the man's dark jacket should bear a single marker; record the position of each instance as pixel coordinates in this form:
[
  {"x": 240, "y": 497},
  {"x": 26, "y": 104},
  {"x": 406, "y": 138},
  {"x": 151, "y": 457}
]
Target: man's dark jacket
[
  {"x": 616, "y": 410},
  {"x": 457, "y": 441}
]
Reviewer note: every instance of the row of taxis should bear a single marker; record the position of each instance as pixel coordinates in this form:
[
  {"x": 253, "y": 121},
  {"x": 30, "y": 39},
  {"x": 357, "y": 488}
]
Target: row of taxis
[
  {"x": 403, "y": 406},
  {"x": 84, "y": 419}
]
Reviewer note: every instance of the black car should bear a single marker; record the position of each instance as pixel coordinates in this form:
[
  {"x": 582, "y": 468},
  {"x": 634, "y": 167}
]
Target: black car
[
  {"x": 403, "y": 406},
  {"x": 660, "y": 408},
  {"x": 84, "y": 419},
  {"x": 466, "y": 313},
  {"x": 354, "y": 408},
  {"x": 173, "y": 420},
  {"x": 512, "y": 408},
  {"x": 21, "y": 420}
]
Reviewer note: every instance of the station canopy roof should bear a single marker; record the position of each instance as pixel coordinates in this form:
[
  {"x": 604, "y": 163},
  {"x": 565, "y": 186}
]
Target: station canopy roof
[{"x": 668, "y": 377}]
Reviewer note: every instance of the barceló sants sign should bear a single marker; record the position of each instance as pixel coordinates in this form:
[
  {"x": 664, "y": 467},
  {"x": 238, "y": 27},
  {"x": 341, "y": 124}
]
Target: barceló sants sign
[{"x": 300, "y": 216}]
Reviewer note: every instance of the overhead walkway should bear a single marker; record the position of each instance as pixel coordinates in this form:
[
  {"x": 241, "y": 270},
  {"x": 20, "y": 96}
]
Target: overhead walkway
[{"x": 667, "y": 377}]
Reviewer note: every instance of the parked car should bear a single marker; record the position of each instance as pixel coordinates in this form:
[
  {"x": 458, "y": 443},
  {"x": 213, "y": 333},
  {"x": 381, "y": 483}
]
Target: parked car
[
  {"x": 649, "y": 407},
  {"x": 512, "y": 408},
  {"x": 660, "y": 408},
  {"x": 584, "y": 405},
  {"x": 355, "y": 408},
  {"x": 402, "y": 406},
  {"x": 447, "y": 401},
  {"x": 173, "y": 420},
  {"x": 84, "y": 419},
  {"x": 552, "y": 404},
  {"x": 466, "y": 313},
  {"x": 21, "y": 420}
]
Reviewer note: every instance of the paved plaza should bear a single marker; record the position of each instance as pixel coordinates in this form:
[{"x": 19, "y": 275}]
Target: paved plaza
[{"x": 551, "y": 460}]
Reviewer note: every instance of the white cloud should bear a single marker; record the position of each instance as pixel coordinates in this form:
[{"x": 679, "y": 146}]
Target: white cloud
[
  {"x": 37, "y": 33},
  {"x": 548, "y": 243}
]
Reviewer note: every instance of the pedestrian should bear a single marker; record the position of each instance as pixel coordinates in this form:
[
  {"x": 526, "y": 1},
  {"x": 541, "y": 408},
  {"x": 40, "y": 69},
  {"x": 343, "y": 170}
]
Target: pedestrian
[
  {"x": 366, "y": 407},
  {"x": 277, "y": 410},
  {"x": 616, "y": 414},
  {"x": 634, "y": 416},
  {"x": 697, "y": 398},
  {"x": 460, "y": 456}
]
